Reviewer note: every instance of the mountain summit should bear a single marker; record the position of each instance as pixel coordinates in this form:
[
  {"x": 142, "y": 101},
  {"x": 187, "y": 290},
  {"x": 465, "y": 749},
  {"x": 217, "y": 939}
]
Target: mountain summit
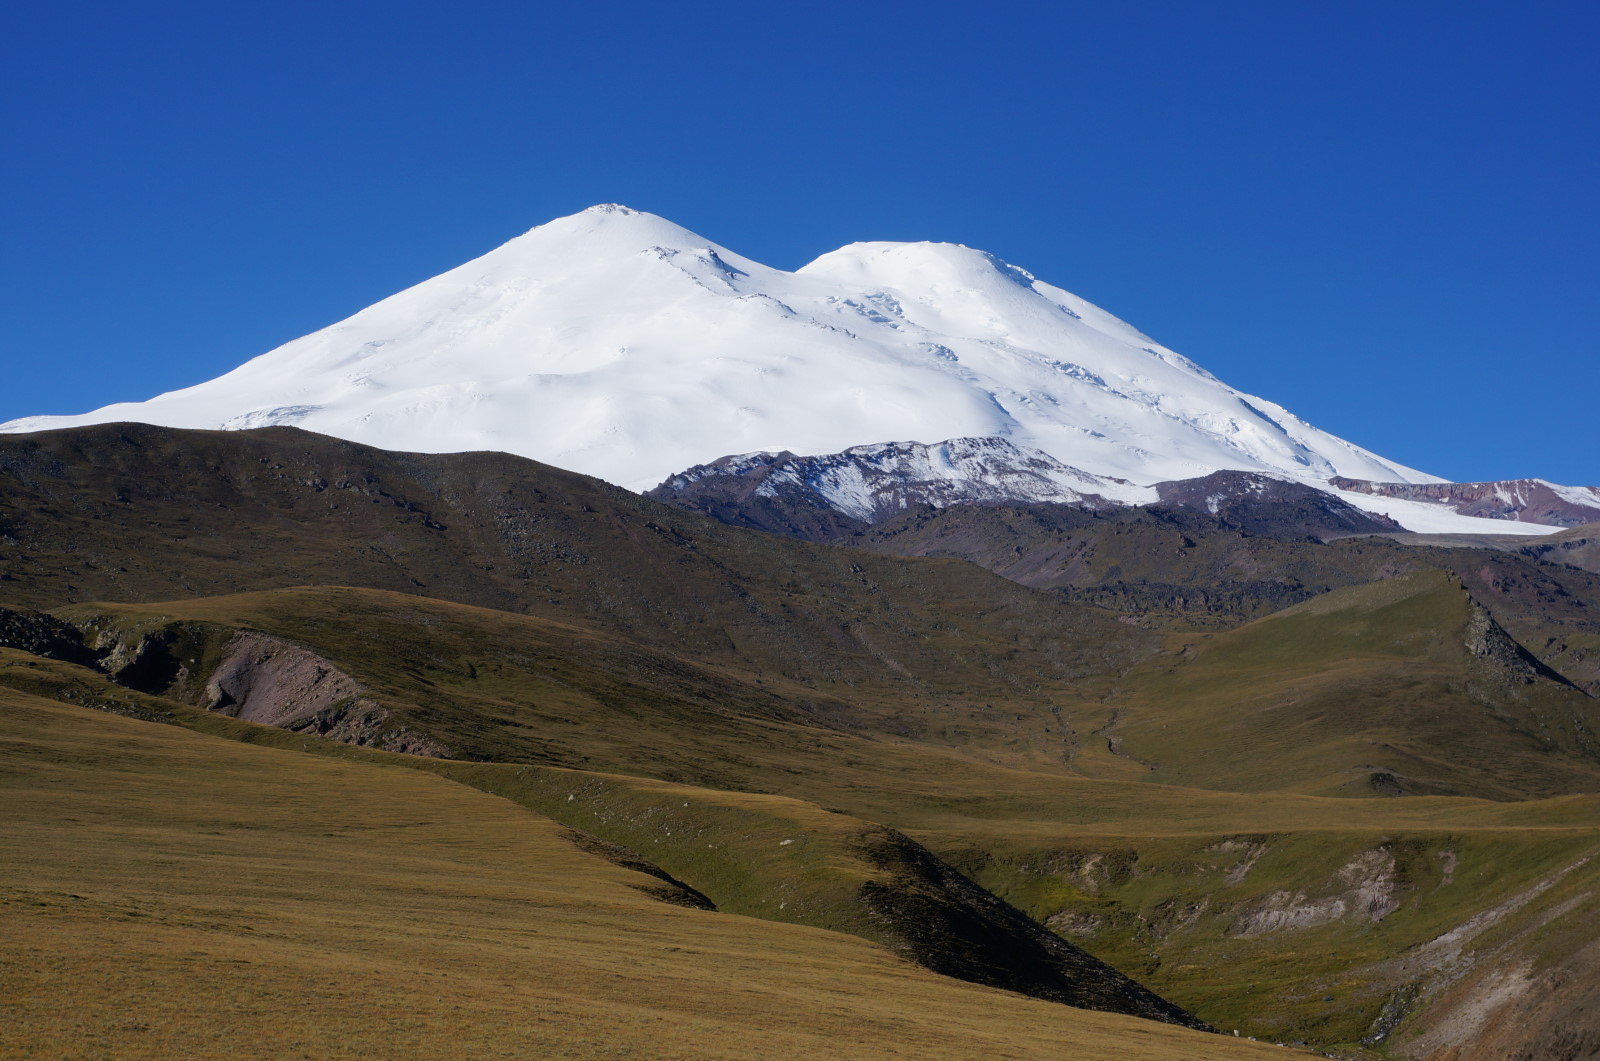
[{"x": 616, "y": 343}]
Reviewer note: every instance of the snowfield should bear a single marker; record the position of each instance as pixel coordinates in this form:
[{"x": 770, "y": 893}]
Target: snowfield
[{"x": 615, "y": 343}]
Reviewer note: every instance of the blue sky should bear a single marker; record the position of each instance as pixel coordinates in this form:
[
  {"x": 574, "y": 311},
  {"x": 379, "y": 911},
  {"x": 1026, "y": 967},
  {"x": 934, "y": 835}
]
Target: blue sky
[{"x": 1381, "y": 216}]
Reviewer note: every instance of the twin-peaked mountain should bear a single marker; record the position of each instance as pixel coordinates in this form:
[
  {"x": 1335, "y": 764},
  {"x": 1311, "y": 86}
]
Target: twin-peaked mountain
[{"x": 618, "y": 344}]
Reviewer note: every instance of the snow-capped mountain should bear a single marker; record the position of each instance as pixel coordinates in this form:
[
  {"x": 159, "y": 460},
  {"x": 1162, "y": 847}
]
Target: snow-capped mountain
[{"x": 615, "y": 343}]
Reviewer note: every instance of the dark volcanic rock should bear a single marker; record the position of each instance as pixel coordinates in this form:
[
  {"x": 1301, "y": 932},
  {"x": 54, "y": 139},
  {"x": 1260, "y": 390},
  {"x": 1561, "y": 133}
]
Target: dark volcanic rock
[
  {"x": 1262, "y": 505},
  {"x": 745, "y": 492}
]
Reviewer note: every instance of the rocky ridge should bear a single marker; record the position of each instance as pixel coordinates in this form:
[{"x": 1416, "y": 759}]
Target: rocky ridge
[
  {"x": 824, "y": 498},
  {"x": 821, "y": 497}
]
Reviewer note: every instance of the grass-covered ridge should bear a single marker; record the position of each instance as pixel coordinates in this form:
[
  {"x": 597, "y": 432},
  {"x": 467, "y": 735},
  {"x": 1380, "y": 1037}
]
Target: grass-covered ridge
[
  {"x": 209, "y": 898},
  {"x": 1399, "y": 686},
  {"x": 1405, "y": 685}
]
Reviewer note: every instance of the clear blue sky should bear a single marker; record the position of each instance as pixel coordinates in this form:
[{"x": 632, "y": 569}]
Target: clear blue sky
[{"x": 1381, "y": 215}]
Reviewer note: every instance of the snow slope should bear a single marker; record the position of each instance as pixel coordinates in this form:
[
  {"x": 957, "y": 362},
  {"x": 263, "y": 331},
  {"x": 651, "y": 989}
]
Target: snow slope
[
  {"x": 1426, "y": 517},
  {"x": 615, "y": 343}
]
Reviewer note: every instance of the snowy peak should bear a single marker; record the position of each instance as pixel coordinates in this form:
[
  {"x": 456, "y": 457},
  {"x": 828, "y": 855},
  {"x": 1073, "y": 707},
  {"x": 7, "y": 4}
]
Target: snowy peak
[
  {"x": 609, "y": 230},
  {"x": 616, "y": 343},
  {"x": 954, "y": 289},
  {"x": 955, "y": 277},
  {"x": 612, "y": 243},
  {"x": 610, "y": 240},
  {"x": 934, "y": 268}
]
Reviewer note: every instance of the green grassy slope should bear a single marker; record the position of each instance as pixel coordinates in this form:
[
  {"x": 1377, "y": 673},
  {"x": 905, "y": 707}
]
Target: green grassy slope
[
  {"x": 1228, "y": 903},
  {"x": 166, "y": 893},
  {"x": 490, "y": 684},
  {"x": 1404, "y": 685}
]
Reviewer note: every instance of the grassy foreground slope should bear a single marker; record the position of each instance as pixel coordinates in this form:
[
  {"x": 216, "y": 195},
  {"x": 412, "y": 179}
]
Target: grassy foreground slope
[
  {"x": 169, "y": 893},
  {"x": 769, "y": 856},
  {"x": 1289, "y": 917}
]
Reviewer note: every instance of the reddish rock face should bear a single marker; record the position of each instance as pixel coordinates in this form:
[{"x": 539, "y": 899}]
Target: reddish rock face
[{"x": 1522, "y": 500}]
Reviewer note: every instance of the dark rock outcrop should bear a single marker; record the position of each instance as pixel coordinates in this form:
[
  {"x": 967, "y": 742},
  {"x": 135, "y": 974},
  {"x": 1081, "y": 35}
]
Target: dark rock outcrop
[
  {"x": 944, "y": 922},
  {"x": 45, "y": 635},
  {"x": 670, "y": 890},
  {"x": 1262, "y": 505},
  {"x": 741, "y": 492}
]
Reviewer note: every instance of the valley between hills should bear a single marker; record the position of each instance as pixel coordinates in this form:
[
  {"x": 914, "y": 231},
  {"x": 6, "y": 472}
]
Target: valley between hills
[{"x": 318, "y": 749}]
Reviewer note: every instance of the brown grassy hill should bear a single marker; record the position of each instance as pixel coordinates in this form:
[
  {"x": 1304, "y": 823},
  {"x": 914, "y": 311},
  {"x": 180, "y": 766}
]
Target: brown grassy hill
[
  {"x": 1174, "y": 566},
  {"x": 1184, "y": 570},
  {"x": 138, "y": 513},
  {"x": 168, "y": 893},
  {"x": 1400, "y": 686},
  {"x": 479, "y": 684},
  {"x": 1575, "y": 546},
  {"x": 1405, "y": 685},
  {"x": 1292, "y": 918}
]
